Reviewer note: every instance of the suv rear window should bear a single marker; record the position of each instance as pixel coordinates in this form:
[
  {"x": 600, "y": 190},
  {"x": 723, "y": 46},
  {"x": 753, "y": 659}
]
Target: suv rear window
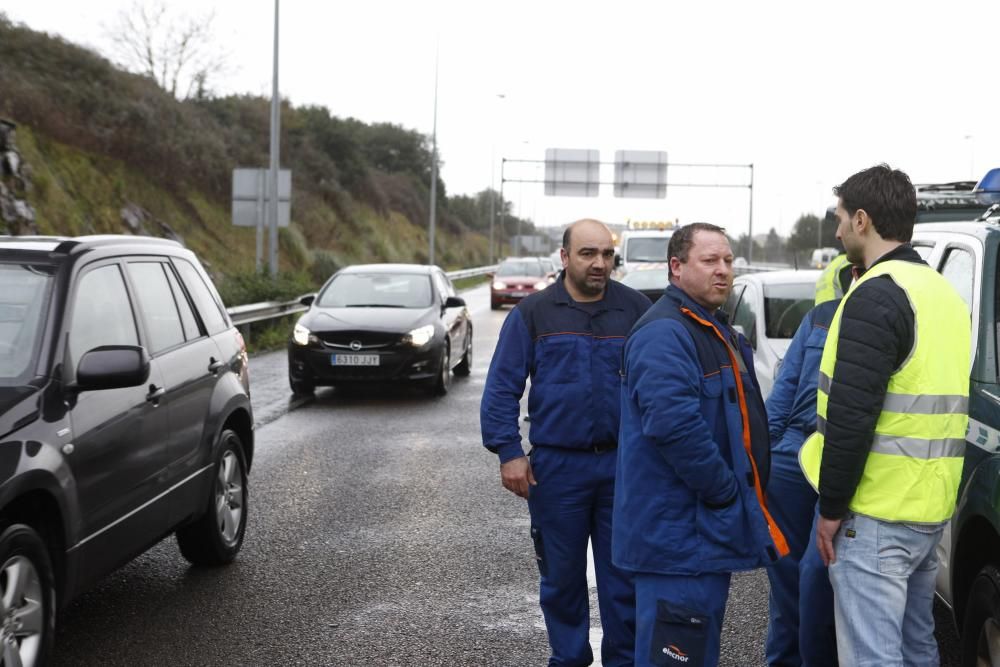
[{"x": 24, "y": 297}]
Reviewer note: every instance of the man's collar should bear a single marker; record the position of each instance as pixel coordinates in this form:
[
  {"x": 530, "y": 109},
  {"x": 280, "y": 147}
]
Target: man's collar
[{"x": 682, "y": 298}]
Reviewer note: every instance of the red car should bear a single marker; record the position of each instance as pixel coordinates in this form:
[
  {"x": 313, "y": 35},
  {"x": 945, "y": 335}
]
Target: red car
[{"x": 516, "y": 278}]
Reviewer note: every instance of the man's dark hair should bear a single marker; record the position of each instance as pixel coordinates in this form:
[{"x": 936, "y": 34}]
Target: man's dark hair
[
  {"x": 566, "y": 235},
  {"x": 682, "y": 240},
  {"x": 886, "y": 195}
]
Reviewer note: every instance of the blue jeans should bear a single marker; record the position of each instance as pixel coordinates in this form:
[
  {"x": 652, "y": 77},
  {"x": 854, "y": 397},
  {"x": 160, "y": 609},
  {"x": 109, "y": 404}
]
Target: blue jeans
[
  {"x": 791, "y": 501},
  {"x": 570, "y": 506},
  {"x": 679, "y": 618},
  {"x": 883, "y": 584}
]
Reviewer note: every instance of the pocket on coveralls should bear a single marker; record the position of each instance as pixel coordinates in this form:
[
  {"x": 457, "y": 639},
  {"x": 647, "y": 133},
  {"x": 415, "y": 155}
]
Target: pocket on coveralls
[
  {"x": 679, "y": 636},
  {"x": 536, "y": 537}
]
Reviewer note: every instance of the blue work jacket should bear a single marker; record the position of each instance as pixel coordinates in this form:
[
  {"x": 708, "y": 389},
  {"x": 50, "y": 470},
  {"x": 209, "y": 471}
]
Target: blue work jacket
[
  {"x": 572, "y": 353},
  {"x": 791, "y": 407},
  {"x": 688, "y": 495}
]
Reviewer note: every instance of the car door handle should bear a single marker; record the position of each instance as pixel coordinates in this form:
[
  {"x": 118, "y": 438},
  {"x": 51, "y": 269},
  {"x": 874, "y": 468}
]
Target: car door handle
[
  {"x": 215, "y": 366},
  {"x": 155, "y": 394}
]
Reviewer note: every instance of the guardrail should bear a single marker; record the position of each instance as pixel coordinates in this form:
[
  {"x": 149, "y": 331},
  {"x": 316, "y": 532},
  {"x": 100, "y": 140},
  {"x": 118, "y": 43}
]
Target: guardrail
[{"x": 269, "y": 310}]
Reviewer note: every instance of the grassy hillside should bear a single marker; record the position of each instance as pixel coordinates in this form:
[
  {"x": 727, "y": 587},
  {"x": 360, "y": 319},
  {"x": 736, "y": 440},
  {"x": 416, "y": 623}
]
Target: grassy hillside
[{"x": 109, "y": 152}]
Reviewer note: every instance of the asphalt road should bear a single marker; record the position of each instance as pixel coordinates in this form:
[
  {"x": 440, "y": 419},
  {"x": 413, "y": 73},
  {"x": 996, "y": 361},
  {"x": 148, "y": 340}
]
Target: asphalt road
[{"x": 378, "y": 534}]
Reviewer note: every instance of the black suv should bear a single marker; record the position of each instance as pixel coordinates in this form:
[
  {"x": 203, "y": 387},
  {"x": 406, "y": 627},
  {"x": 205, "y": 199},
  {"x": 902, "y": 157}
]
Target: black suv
[{"x": 124, "y": 417}]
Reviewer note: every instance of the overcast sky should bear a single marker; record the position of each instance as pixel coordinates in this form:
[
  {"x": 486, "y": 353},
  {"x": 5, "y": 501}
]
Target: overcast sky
[{"x": 809, "y": 92}]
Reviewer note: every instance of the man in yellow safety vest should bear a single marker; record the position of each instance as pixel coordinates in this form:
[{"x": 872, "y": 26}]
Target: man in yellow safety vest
[{"x": 891, "y": 407}]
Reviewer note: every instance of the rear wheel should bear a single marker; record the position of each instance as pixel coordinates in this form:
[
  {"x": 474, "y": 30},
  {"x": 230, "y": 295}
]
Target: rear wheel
[
  {"x": 27, "y": 598},
  {"x": 981, "y": 628},
  {"x": 464, "y": 367},
  {"x": 216, "y": 537}
]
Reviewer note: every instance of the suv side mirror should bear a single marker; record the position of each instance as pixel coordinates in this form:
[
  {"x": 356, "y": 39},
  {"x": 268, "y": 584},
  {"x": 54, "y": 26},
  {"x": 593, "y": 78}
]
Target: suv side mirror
[
  {"x": 307, "y": 300},
  {"x": 112, "y": 367},
  {"x": 454, "y": 302}
]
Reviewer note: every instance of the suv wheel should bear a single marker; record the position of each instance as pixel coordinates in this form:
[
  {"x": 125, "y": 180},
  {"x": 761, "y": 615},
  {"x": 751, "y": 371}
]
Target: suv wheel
[
  {"x": 464, "y": 367},
  {"x": 27, "y": 598},
  {"x": 981, "y": 629},
  {"x": 216, "y": 537}
]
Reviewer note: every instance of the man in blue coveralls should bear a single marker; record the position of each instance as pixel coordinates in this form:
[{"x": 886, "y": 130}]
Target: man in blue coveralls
[
  {"x": 568, "y": 340},
  {"x": 693, "y": 458},
  {"x": 800, "y": 631}
]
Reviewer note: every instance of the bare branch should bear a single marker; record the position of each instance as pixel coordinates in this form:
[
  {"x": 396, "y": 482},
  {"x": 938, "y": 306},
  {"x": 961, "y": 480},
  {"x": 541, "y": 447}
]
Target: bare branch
[{"x": 176, "y": 51}]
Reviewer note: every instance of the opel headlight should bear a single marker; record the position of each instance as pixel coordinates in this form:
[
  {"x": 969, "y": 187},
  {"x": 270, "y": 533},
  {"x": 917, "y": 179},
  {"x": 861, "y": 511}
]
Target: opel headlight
[
  {"x": 499, "y": 285},
  {"x": 300, "y": 335},
  {"x": 420, "y": 336},
  {"x": 541, "y": 284}
]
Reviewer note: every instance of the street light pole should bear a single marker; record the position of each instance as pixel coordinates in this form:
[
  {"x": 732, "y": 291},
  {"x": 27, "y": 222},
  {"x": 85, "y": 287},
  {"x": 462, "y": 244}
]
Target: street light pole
[
  {"x": 493, "y": 194},
  {"x": 750, "y": 227},
  {"x": 275, "y": 148},
  {"x": 434, "y": 160}
]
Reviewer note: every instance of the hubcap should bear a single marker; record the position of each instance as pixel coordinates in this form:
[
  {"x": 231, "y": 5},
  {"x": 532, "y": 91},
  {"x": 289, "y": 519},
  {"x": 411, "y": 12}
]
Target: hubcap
[
  {"x": 22, "y": 612},
  {"x": 229, "y": 498},
  {"x": 989, "y": 644}
]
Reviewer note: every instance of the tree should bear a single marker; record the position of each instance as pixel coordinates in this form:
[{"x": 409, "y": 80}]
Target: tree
[
  {"x": 176, "y": 52},
  {"x": 774, "y": 247}
]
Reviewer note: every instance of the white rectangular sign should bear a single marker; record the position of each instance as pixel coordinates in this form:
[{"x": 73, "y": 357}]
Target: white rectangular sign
[{"x": 250, "y": 197}]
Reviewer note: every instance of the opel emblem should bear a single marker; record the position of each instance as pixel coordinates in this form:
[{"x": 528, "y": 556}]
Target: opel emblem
[{"x": 355, "y": 345}]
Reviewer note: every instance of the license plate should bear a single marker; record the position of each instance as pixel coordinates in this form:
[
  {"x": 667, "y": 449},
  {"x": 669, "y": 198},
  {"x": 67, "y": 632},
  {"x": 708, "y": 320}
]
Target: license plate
[
  {"x": 519, "y": 294},
  {"x": 355, "y": 360}
]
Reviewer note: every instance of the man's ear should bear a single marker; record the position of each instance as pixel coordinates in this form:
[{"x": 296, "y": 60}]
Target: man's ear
[{"x": 862, "y": 222}]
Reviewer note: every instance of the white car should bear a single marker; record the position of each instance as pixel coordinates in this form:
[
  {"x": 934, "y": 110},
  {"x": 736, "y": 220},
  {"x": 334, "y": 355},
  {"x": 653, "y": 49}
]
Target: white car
[{"x": 767, "y": 308}]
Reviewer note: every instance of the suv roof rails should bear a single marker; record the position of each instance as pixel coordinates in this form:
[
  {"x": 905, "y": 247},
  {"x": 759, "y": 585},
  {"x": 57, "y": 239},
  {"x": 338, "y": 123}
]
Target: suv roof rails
[{"x": 100, "y": 240}]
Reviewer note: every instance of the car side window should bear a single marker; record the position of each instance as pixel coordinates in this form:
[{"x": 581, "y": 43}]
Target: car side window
[
  {"x": 156, "y": 303},
  {"x": 442, "y": 287},
  {"x": 448, "y": 285},
  {"x": 188, "y": 319},
  {"x": 959, "y": 267},
  {"x": 734, "y": 298},
  {"x": 746, "y": 317},
  {"x": 102, "y": 312},
  {"x": 206, "y": 304}
]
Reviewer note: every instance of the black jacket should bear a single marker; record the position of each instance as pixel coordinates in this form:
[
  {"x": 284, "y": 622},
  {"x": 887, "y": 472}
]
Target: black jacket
[{"x": 876, "y": 337}]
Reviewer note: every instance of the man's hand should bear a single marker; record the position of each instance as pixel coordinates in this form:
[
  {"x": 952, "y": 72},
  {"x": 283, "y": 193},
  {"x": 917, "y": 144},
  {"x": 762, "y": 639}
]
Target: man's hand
[
  {"x": 826, "y": 530},
  {"x": 516, "y": 476}
]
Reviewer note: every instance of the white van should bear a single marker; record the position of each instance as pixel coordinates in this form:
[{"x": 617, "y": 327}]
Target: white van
[
  {"x": 822, "y": 256},
  {"x": 642, "y": 247}
]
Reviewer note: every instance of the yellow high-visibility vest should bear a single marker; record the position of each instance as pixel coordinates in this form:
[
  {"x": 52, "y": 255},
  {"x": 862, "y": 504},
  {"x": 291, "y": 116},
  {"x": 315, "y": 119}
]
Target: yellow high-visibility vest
[
  {"x": 828, "y": 285},
  {"x": 915, "y": 463}
]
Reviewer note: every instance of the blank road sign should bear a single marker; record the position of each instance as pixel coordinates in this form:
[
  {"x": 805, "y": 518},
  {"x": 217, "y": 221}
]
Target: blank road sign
[
  {"x": 250, "y": 191},
  {"x": 641, "y": 174},
  {"x": 572, "y": 172}
]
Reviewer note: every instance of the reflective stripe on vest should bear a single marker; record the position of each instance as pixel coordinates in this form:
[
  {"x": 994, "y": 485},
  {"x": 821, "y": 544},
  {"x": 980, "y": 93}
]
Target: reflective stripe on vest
[
  {"x": 915, "y": 463},
  {"x": 828, "y": 285}
]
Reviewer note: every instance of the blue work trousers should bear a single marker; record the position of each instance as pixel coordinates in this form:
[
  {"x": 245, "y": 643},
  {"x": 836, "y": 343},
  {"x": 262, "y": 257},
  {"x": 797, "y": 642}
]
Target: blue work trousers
[
  {"x": 800, "y": 631},
  {"x": 791, "y": 501},
  {"x": 679, "y": 618},
  {"x": 817, "y": 628},
  {"x": 570, "y": 505}
]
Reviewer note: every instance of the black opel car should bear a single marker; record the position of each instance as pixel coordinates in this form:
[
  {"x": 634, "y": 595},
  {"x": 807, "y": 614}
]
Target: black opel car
[
  {"x": 382, "y": 323},
  {"x": 124, "y": 417}
]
